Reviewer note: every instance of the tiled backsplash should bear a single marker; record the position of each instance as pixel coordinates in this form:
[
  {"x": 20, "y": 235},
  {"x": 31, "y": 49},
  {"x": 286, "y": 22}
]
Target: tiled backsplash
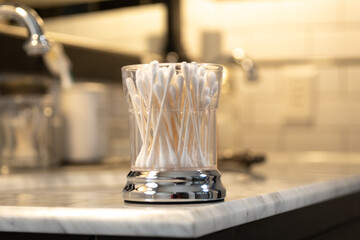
[
  {"x": 280, "y": 33},
  {"x": 285, "y": 30}
]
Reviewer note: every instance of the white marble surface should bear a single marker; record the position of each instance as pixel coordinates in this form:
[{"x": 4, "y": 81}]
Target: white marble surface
[{"x": 88, "y": 200}]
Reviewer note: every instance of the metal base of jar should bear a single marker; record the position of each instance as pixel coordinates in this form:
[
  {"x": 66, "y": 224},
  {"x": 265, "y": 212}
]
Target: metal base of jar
[{"x": 174, "y": 187}]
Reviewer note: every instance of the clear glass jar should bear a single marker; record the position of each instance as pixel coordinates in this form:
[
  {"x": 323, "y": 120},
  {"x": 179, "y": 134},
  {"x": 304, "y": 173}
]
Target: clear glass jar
[
  {"x": 172, "y": 110},
  {"x": 27, "y": 109}
]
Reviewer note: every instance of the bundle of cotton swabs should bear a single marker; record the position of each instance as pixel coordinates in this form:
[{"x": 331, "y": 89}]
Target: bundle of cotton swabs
[{"x": 173, "y": 114}]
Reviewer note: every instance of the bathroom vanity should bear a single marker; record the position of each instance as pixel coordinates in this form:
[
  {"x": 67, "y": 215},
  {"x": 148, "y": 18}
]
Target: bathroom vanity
[{"x": 293, "y": 195}]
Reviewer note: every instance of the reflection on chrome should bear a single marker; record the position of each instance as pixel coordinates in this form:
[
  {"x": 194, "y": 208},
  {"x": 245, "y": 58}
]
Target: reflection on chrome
[
  {"x": 247, "y": 64},
  {"x": 37, "y": 43}
]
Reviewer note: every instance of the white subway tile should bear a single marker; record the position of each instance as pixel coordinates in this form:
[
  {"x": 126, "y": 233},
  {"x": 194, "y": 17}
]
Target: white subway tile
[
  {"x": 352, "y": 9},
  {"x": 279, "y": 42},
  {"x": 330, "y": 97},
  {"x": 243, "y": 13},
  {"x": 260, "y": 137},
  {"x": 229, "y": 134},
  {"x": 338, "y": 113},
  {"x": 267, "y": 82},
  {"x": 260, "y": 142},
  {"x": 352, "y": 113},
  {"x": 246, "y": 114},
  {"x": 330, "y": 113},
  {"x": 201, "y": 13},
  {"x": 239, "y": 106},
  {"x": 310, "y": 11},
  {"x": 354, "y": 96},
  {"x": 336, "y": 41},
  {"x": 353, "y": 138},
  {"x": 354, "y": 143},
  {"x": 314, "y": 139},
  {"x": 329, "y": 80},
  {"x": 191, "y": 41},
  {"x": 311, "y": 142},
  {"x": 353, "y": 77},
  {"x": 238, "y": 37},
  {"x": 269, "y": 113}
]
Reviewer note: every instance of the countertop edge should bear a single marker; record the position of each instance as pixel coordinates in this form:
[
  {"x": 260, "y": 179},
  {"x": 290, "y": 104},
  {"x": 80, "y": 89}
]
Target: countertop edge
[
  {"x": 237, "y": 212},
  {"x": 188, "y": 222}
]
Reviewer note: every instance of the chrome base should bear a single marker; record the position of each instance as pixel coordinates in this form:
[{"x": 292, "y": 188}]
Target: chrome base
[{"x": 174, "y": 187}]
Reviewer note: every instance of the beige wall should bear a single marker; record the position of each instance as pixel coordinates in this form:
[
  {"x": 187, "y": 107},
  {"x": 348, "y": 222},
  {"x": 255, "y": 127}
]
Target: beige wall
[{"x": 256, "y": 114}]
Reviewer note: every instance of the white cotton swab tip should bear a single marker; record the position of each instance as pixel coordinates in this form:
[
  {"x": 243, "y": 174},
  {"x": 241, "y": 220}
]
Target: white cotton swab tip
[
  {"x": 141, "y": 88},
  {"x": 214, "y": 89},
  {"x": 205, "y": 92},
  {"x": 194, "y": 68},
  {"x": 161, "y": 77},
  {"x": 201, "y": 85},
  {"x": 154, "y": 65},
  {"x": 131, "y": 87},
  {"x": 205, "y": 102},
  {"x": 186, "y": 71},
  {"x": 158, "y": 91},
  {"x": 201, "y": 71},
  {"x": 138, "y": 74},
  {"x": 195, "y": 85},
  {"x": 171, "y": 71},
  {"x": 146, "y": 81},
  {"x": 180, "y": 83},
  {"x": 172, "y": 90},
  {"x": 210, "y": 79},
  {"x": 137, "y": 101}
]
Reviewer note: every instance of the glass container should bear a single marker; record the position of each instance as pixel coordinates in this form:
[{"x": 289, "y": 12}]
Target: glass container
[
  {"x": 27, "y": 107},
  {"x": 172, "y": 113}
]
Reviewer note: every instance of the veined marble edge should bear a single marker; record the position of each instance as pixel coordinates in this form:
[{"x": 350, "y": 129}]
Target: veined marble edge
[
  {"x": 185, "y": 222},
  {"x": 254, "y": 208},
  {"x": 105, "y": 221}
]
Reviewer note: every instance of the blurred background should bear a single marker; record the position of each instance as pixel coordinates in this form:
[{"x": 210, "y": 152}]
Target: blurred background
[{"x": 292, "y": 67}]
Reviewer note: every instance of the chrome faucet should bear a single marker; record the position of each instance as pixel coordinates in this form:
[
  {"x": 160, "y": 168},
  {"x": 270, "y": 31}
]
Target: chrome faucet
[
  {"x": 37, "y": 43},
  {"x": 247, "y": 64}
]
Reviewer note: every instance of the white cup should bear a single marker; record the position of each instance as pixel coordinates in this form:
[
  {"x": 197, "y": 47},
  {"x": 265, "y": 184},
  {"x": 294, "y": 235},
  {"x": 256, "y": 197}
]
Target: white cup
[{"x": 83, "y": 106}]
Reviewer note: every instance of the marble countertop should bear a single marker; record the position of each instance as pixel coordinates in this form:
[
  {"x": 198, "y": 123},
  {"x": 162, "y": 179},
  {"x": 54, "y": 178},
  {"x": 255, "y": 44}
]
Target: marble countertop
[{"x": 88, "y": 200}]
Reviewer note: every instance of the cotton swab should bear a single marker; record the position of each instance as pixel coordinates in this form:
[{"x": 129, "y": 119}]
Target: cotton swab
[
  {"x": 154, "y": 65},
  {"x": 157, "y": 89},
  {"x": 135, "y": 99},
  {"x": 201, "y": 71},
  {"x": 142, "y": 91},
  {"x": 195, "y": 88},
  {"x": 200, "y": 87},
  {"x": 138, "y": 104},
  {"x": 214, "y": 89},
  {"x": 160, "y": 95},
  {"x": 132, "y": 92},
  {"x": 173, "y": 95},
  {"x": 180, "y": 85},
  {"x": 187, "y": 70}
]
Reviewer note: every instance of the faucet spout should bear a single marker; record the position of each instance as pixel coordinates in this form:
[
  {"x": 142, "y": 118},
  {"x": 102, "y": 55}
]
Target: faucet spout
[
  {"x": 37, "y": 43},
  {"x": 247, "y": 64}
]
